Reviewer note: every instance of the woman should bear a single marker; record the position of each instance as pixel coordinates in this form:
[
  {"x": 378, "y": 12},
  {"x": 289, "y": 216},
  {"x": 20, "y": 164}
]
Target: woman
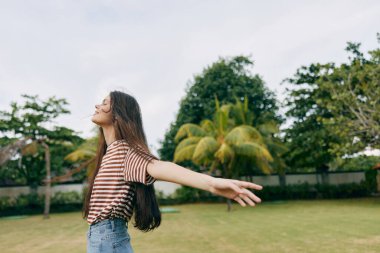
[{"x": 123, "y": 180}]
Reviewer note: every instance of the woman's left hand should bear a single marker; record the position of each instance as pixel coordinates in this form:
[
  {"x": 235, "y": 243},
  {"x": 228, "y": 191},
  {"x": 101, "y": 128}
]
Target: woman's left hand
[{"x": 236, "y": 190}]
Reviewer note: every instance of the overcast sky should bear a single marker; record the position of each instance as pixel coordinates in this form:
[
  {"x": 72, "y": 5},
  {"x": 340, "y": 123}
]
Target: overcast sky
[{"x": 81, "y": 50}]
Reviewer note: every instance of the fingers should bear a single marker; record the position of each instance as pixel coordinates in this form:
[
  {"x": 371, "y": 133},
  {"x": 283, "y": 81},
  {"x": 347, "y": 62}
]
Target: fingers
[
  {"x": 252, "y": 196},
  {"x": 240, "y": 194},
  {"x": 240, "y": 199},
  {"x": 241, "y": 202},
  {"x": 245, "y": 194},
  {"x": 246, "y": 184},
  {"x": 247, "y": 200},
  {"x": 236, "y": 188}
]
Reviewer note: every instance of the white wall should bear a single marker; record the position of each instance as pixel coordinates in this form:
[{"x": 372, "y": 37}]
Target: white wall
[{"x": 169, "y": 188}]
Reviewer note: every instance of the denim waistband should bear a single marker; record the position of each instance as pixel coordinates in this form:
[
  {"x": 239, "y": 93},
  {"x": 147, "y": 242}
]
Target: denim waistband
[{"x": 114, "y": 222}]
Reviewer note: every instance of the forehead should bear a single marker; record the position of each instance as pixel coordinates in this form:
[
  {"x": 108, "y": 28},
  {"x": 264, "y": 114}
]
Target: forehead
[{"x": 107, "y": 98}]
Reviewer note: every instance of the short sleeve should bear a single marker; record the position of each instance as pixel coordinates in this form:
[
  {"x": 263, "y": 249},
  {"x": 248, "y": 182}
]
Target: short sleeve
[{"x": 135, "y": 167}]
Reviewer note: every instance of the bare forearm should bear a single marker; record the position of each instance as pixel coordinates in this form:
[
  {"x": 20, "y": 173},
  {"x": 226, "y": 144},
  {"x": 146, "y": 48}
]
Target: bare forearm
[
  {"x": 171, "y": 172},
  {"x": 229, "y": 188}
]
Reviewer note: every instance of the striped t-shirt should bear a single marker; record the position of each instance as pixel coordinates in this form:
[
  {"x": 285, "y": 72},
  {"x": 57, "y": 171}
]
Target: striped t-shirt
[{"x": 112, "y": 193}]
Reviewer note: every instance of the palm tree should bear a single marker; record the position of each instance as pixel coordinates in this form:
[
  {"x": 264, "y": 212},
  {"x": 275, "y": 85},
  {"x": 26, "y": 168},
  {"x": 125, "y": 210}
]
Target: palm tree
[
  {"x": 276, "y": 147},
  {"x": 85, "y": 155},
  {"x": 227, "y": 142}
]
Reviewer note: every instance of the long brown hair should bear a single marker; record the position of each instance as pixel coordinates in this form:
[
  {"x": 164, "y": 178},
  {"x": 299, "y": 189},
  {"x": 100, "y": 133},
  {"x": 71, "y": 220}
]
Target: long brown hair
[{"x": 127, "y": 121}]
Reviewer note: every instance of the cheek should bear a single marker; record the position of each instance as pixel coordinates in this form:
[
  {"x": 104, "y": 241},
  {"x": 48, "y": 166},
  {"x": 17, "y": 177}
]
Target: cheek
[{"x": 106, "y": 117}]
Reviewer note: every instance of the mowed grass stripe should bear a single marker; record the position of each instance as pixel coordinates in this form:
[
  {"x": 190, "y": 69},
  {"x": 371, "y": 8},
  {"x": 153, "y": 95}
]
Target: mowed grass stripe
[{"x": 292, "y": 226}]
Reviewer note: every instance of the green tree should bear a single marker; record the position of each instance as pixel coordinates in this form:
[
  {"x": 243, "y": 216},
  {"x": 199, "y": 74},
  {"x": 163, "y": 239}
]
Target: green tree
[
  {"x": 309, "y": 140},
  {"x": 226, "y": 78},
  {"x": 225, "y": 144},
  {"x": 29, "y": 121},
  {"x": 354, "y": 100},
  {"x": 335, "y": 110}
]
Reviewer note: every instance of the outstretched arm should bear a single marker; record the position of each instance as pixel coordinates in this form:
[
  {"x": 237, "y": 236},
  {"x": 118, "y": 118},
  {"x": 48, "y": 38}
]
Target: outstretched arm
[{"x": 229, "y": 188}]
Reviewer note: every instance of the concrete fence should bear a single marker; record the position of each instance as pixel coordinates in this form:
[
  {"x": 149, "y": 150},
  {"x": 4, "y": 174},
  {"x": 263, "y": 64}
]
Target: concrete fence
[
  {"x": 334, "y": 178},
  {"x": 169, "y": 188},
  {"x": 14, "y": 191}
]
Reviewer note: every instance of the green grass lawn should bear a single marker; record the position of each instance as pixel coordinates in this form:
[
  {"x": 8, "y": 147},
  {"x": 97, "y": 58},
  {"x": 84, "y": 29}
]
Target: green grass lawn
[{"x": 294, "y": 226}]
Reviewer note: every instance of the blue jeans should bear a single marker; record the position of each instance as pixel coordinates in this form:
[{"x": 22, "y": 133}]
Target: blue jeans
[{"x": 109, "y": 236}]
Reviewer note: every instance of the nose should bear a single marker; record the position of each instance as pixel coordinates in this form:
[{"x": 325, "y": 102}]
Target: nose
[{"x": 96, "y": 106}]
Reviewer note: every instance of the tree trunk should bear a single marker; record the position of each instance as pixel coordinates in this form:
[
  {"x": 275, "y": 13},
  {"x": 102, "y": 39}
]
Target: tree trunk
[
  {"x": 229, "y": 205},
  {"x": 48, "y": 182},
  {"x": 325, "y": 177},
  {"x": 323, "y": 170},
  {"x": 282, "y": 179}
]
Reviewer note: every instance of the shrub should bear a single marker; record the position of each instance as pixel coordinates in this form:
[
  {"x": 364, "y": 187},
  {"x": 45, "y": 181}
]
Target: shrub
[
  {"x": 63, "y": 198},
  {"x": 288, "y": 192},
  {"x": 370, "y": 178},
  {"x": 5, "y": 203},
  {"x": 33, "y": 203}
]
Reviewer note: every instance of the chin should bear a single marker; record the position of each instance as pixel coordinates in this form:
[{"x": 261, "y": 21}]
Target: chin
[{"x": 94, "y": 120}]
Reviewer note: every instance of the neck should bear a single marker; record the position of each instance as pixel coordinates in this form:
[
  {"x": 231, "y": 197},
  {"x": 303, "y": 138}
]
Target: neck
[{"x": 109, "y": 134}]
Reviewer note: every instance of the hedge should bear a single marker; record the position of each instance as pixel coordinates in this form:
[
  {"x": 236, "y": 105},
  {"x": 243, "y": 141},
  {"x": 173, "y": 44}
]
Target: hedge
[
  {"x": 34, "y": 203},
  {"x": 72, "y": 201},
  {"x": 270, "y": 193}
]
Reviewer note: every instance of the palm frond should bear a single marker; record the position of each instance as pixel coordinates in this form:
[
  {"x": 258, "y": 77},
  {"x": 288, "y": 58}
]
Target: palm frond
[
  {"x": 238, "y": 112},
  {"x": 79, "y": 154},
  {"x": 252, "y": 149},
  {"x": 189, "y": 130},
  {"x": 241, "y": 113},
  {"x": 188, "y": 141},
  {"x": 208, "y": 126},
  {"x": 221, "y": 121},
  {"x": 86, "y": 150},
  {"x": 204, "y": 151},
  {"x": 242, "y": 134},
  {"x": 225, "y": 153},
  {"x": 184, "y": 154},
  {"x": 263, "y": 165},
  {"x": 226, "y": 109},
  {"x": 216, "y": 103}
]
